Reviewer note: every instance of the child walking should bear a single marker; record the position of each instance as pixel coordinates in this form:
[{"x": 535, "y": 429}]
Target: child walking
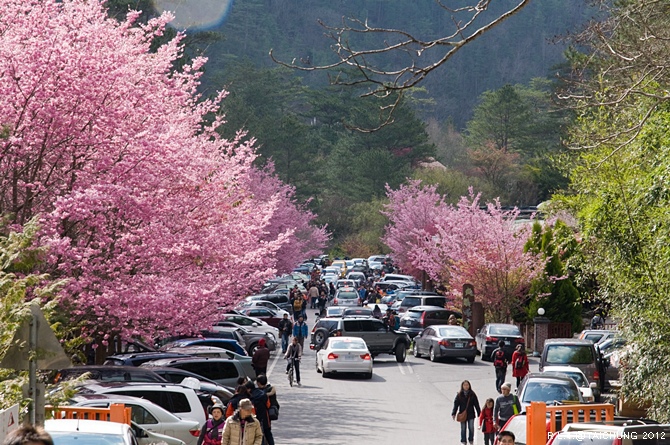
[{"x": 486, "y": 422}]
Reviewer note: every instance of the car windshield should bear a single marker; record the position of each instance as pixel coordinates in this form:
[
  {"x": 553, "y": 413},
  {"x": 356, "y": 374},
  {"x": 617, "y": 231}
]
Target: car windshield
[
  {"x": 454, "y": 331},
  {"x": 347, "y": 295},
  {"x": 569, "y": 354},
  {"x": 75, "y": 438},
  {"x": 541, "y": 391},
  {"x": 504, "y": 330},
  {"x": 347, "y": 344},
  {"x": 517, "y": 425}
]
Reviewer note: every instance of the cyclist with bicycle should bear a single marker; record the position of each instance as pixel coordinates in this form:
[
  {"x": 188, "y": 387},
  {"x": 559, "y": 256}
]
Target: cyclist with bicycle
[{"x": 293, "y": 355}]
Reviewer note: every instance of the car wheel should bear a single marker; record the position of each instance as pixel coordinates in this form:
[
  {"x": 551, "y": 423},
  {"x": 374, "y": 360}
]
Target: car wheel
[
  {"x": 400, "y": 352},
  {"x": 431, "y": 354},
  {"x": 320, "y": 336},
  {"x": 470, "y": 359},
  {"x": 368, "y": 375},
  {"x": 416, "y": 351},
  {"x": 317, "y": 367},
  {"x": 252, "y": 349}
]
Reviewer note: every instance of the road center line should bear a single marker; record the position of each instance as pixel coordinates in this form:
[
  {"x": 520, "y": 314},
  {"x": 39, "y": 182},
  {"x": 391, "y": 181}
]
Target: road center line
[{"x": 274, "y": 362}]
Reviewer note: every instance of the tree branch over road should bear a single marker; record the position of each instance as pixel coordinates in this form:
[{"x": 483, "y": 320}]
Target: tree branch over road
[{"x": 361, "y": 64}]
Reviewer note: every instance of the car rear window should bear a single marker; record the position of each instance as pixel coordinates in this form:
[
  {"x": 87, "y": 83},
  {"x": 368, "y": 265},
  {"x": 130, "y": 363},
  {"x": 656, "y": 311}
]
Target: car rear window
[
  {"x": 549, "y": 392},
  {"x": 569, "y": 354},
  {"x": 504, "y": 330},
  {"x": 328, "y": 324},
  {"x": 347, "y": 344},
  {"x": 411, "y": 301},
  {"x": 347, "y": 295},
  {"x": 414, "y": 314}
]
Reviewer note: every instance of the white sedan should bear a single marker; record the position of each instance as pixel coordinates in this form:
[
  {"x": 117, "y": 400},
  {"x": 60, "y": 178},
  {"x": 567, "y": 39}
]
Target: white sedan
[
  {"x": 146, "y": 414},
  {"x": 590, "y": 392},
  {"x": 341, "y": 355}
]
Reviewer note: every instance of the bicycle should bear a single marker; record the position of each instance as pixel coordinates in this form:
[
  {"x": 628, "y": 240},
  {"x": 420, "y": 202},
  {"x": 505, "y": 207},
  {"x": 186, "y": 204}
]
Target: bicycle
[{"x": 290, "y": 372}]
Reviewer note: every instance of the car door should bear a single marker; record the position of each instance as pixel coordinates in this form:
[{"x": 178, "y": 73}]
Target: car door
[
  {"x": 420, "y": 341},
  {"x": 372, "y": 333}
]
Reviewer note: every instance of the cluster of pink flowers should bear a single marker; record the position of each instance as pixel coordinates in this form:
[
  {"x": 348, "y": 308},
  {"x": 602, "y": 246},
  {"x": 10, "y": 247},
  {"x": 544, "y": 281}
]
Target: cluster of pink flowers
[
  {"x": 460, "y": 244},
  {"x": 156, "y": 220}
]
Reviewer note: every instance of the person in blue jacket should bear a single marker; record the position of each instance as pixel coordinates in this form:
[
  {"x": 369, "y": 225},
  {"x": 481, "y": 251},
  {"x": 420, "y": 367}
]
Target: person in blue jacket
[{"x": 300, "y": 331}]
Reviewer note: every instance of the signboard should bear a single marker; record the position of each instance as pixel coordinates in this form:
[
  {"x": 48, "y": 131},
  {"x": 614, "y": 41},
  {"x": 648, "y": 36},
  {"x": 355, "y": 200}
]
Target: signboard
[
  {"x": 468, "y": 303},
  {"x": 9, "y": 421}
]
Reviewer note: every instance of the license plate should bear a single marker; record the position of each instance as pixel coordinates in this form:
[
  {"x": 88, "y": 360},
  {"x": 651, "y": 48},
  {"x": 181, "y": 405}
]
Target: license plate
[
  {"x": 349, "y": 358},
  {"x": 507, "y": 343},
  {"x": 458, "y": 345}
]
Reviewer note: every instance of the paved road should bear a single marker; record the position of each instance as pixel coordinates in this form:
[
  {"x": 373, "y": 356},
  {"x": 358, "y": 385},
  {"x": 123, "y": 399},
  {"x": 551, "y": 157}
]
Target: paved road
[{"x": 407, "y": 403}]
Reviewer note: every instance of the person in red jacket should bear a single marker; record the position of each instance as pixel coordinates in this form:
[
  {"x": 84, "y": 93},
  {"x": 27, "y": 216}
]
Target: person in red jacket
[
  {"x": 486, "y": 423},
  {"x": 519, "y": 364}
]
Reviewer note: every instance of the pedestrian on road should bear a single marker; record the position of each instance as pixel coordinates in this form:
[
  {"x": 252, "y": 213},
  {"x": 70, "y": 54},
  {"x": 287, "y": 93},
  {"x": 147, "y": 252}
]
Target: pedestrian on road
[
  {"x": 285, "y": 330},
  {"x": 261, "y": 403},
  {"x": 313, "y": 294},
  {"x": 212, "y": 430},
  {"x": 242, "y": 428},
  {"x": 452, "y": 320},
  {"x": 260, "y": 359},
  {"x": 520, "y": 366},
  {"x": 241, "y": 392},
  {"x": 506, "y": 406},
  {"x": 300, "y": 331},
  {"x": 293, "y": 355},
  {"x": 465, "y": 404},
  {"x": 500, "y": 364},
  {"x": 486, "y": 423}
]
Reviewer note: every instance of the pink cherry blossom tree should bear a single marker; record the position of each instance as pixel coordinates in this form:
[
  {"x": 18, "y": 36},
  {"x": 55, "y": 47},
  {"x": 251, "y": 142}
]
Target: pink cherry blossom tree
[
  {"x": 154, "y": 218},
  {"x": 463, "y": 244}
]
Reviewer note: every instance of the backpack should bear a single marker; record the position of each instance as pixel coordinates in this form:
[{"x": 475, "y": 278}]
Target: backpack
[
  {"x": 297, "y": 304},
  {"x": 499, "y": 359},
  {"x": 520, "y": 363}
]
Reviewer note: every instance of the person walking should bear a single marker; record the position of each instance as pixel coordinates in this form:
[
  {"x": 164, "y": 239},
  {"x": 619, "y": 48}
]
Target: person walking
[
  {"x": 260, "y": 359},
  {"x": 506, "y": 406},
  {"x": 293, "y": 355},
  {"x": 241, "y": 392},
  {"x": 242, "y": 428},
  {"x": 500, "y": 364},
  {"x": 296, "y": 301},
  {"x": 486, "y": 422},
  {"x": 300, "y": 331},
  {"x": 465, "y": 406},
  {"x": 313, "y": 294},
  {"x": 271, "y": 391},
  {"x": 520, "y": 365},
  {"x": 285, "y": 330},
  {"x": 261, "y": 403},
  {"x": 212, "y": 430}
]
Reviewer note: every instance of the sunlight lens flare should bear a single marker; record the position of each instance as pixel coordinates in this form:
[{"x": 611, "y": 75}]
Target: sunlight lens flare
[{"x": 195, "y": 14}]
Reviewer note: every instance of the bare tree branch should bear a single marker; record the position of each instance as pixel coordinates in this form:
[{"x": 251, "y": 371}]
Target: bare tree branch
[{"x": 422, "y": 56}]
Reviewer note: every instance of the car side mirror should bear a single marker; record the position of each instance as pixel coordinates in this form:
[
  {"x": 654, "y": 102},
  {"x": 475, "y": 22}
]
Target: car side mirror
[
  {"x": 593, "y": 386},
  {"x": 254, "y": 324}
]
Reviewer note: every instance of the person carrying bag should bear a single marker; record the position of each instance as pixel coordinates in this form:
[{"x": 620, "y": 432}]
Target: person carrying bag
[{"x": 465, "y": 404}]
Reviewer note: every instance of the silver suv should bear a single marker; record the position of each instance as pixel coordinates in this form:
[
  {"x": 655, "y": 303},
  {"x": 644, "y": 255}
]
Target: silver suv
[{"x": 379, "y": 339}]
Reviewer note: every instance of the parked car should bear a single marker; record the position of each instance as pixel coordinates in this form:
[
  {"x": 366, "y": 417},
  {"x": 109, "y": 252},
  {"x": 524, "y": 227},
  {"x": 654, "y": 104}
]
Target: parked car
[
  {"x": 346, "y": 296},
  {"x": 548, "y": 389},
  {"x": 418, "y": 318},
  {"x": 267, "y": 315},
  {"x": 334, "y": 311},
  {"x": 108, "y": 373},
  {"x": 340, "y": 355},
  {"x": 146, "y": 414},
  {"x": 595, "y": 335},
  {"x": 279, "y": 300},
  {"x": 420, "y": 298},
  {"x": 590, "y": 391},
  {"x": 489, "y": 335},
  {"x": 262, "y": 304},
  {"x": 364, "y": 312},
  {"x": 222, "y": 371},
  {"x": 176, "y": 375},
  {"x": 357, "y": 277},
  {"x": 89, "y": 432},
  {"x": 137, "y": 359},
  {"x": 180, "y": 400},
  {"x": 372, "y": 331},
  {"x": 573, "y": 352},
  {"x": 250, "y": 339},
  {"x": 440, "y": 341},
  {"x": 214, "y": 352},
  {"x": 249, "y": 323},
  {"x": 224, "y": 343}
]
